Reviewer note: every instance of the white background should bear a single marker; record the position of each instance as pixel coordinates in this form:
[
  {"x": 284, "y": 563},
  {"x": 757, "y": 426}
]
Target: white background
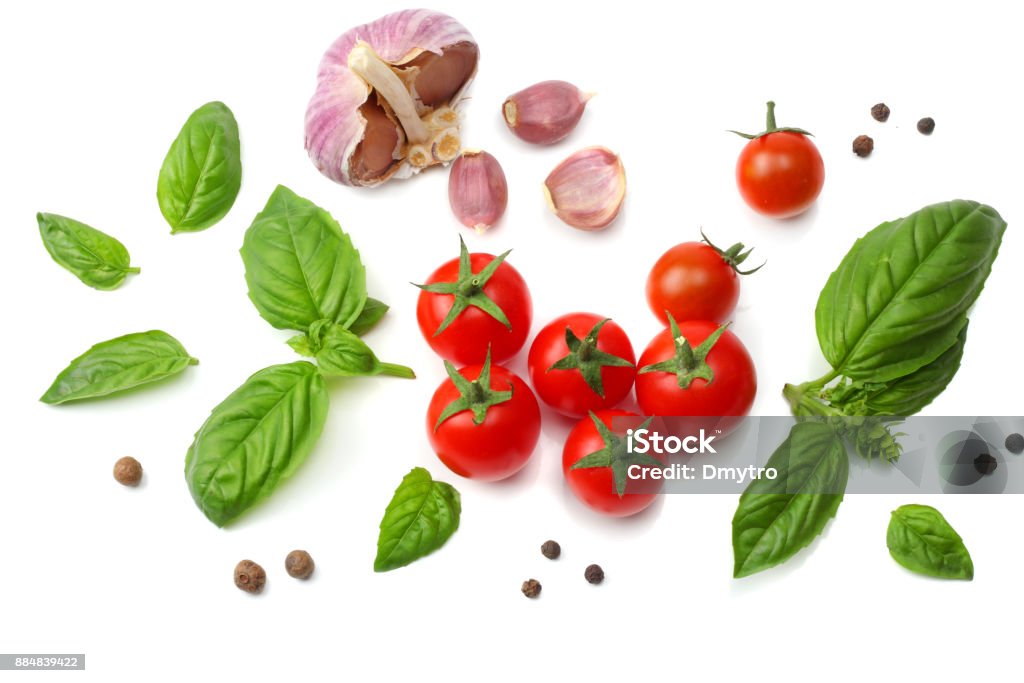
[{"x": 141, "y": 581}]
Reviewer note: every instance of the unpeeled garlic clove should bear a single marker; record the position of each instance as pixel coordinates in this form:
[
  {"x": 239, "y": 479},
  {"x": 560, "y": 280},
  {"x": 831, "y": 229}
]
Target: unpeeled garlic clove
[
  {"x": 587, "y": 189},
  {"x": 546, "y": 112},
  {"x": 477, "y": 190}
]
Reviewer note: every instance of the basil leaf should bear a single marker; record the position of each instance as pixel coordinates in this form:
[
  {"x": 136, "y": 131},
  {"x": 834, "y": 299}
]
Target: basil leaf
[
  {"x": 255, "y": 438},
  {"x": 202, "y": 172},
  {"x": 94, "y": 257},
  {"x": 372, "y": 314},
  {"x": 777, "y": 518},
  {"x": 343, "y": 354},
  {"x": 898, "y": 299},
  {"x": 300, "y": 266},
  {"x": 119, "y": 364},
  {"x": 921, "y": 539},
  {"x": 906, "y": 395},
  {"x": 421, "y": 516}
]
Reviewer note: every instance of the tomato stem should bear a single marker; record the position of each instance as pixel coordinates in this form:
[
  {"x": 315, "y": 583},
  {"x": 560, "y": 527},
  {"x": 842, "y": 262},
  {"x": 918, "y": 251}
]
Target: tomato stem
[{"x": 770, "y": 126}]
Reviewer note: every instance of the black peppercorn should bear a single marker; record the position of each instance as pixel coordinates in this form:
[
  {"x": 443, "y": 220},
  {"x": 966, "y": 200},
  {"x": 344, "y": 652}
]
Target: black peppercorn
[
  {"x": 531, "y": 588},
  {"x": 926, "y": 125},
  {"x": 1015, "y": 443},
  {"x": 551, "y": 550},
  {"x": 299, "y": 564},
  {"x": 985, "y": 463},
  {"x": 128, "y": 471},
  {"x": 863, "y": 145},
  {"x": 880, "y": 112},
  {"x": 250, "y": 577},
  {"x": 594, "y": 574}
]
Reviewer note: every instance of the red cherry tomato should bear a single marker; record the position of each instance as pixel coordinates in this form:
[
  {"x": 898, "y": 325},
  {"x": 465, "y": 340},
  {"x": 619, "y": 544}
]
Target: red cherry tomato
[
  {"x": 595, "y": 486},
  {"x": 780, "y": 172},
  {"x": 696, "y": 281},
  {"x": 598, "y": 373},
  {"x": 466, "y": 308},
  {"x": 718, "y": 374},
  {"x": 492, "y": 423}
]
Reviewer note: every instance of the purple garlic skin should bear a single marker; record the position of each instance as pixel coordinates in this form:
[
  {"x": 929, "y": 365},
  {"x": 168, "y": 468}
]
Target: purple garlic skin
[
  {"x": 387, "y": 98},
  {"x": 477, "y": 190},
  {"x": 587, "y": 190},
  {"x": 546, "y": 112}
]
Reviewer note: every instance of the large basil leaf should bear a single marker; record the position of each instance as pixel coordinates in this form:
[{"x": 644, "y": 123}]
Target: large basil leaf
[
  {"x": 119, "y": 364},
  {"x": 776, "y": 518},
  {"x": 202, "y": 172},
  {"x": 94, "y": 257},
  {"x": 921, "y": 539},
  {"x": 300, "y": 266},
  {"x": 257, "y": 437},
  {"x": 421, "y": 516},
  {"x": 898, "y": 299}
]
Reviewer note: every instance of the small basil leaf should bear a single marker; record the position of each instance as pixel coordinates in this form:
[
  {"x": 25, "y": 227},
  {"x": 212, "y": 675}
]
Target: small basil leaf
[
  {"x": 255, "y": 439},
  {"x": 343, "y": 354},
  {"x": 94, "y": 257},
  {"x": 300, "y": 266},
  {"x": 898, "y": 299},
  {"x": 906, "y": 395},
  {"x": 921, "y": 539},
  {"x": 421, "y": 516},
  {"x": 302, "y": 345},
  {"x": 372, "y": 313},
  {"x": 202, "y": 172},
  {"x": 778, "y": 517},
  {"x": 119, "y": 364}
]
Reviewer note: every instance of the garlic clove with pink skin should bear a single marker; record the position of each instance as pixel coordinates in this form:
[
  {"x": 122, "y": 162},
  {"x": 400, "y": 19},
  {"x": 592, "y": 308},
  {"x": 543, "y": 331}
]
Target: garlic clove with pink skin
[
  {"x": 477, "y": 190},
  {"x": 546, "y": 112},
  {"x": 387, "y": 98},
  {"x": 587, "y": 190}
]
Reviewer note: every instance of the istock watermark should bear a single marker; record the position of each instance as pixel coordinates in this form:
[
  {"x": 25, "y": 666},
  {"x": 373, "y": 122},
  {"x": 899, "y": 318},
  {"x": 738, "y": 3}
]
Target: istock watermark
[{"x": 949, "y": 454}]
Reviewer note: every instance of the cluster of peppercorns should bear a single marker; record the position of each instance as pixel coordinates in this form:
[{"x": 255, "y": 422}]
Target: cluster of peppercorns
[
  {"x": 251, "y": 577},
  {"x": 863, "y": 145},
  {"x": 551, "y": 550}
]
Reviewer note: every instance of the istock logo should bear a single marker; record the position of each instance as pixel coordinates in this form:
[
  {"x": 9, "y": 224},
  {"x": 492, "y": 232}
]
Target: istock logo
[{"x": 646, "y": 441}]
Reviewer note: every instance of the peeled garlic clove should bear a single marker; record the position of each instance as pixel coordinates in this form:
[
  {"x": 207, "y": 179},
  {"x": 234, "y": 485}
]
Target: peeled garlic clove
[
  {"x": 387, "y": 98},
  {"x": 546, "y": 112},
  {"x": 477, "y": 190},
  {"x": 587, "y": 189}
]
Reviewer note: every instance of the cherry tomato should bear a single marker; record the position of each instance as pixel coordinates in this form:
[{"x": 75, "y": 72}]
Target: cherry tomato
[
  {"x": 596, "y": 372},
  {"x": 470, "y": 305},
  {"x": 696, "y": 281},
  {"x": 483, "y": 421},
  {"x": 595, "y": 486},
  {"x": 780, "y": 172},
  {"x": 696, "y": 368}
]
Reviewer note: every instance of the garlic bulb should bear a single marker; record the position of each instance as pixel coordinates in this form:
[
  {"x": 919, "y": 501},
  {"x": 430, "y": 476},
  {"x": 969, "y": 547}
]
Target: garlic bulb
[{"x": 387, "y": 98}]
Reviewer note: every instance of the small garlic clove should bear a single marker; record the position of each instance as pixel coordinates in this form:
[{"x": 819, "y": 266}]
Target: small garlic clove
[
  {"x": 546, "y": 112},
  {"x": 587, "y": 190},
  {"x": 477, "y": 190}
]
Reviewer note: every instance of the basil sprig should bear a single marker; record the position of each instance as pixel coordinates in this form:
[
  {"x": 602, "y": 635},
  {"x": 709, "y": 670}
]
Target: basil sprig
[
  {"x": 892, "y": 323},
  {"x": 303, "y": 274}
]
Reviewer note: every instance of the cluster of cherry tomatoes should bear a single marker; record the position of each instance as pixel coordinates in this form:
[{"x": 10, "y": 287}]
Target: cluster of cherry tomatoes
[{"x": 484, "y": 421}]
